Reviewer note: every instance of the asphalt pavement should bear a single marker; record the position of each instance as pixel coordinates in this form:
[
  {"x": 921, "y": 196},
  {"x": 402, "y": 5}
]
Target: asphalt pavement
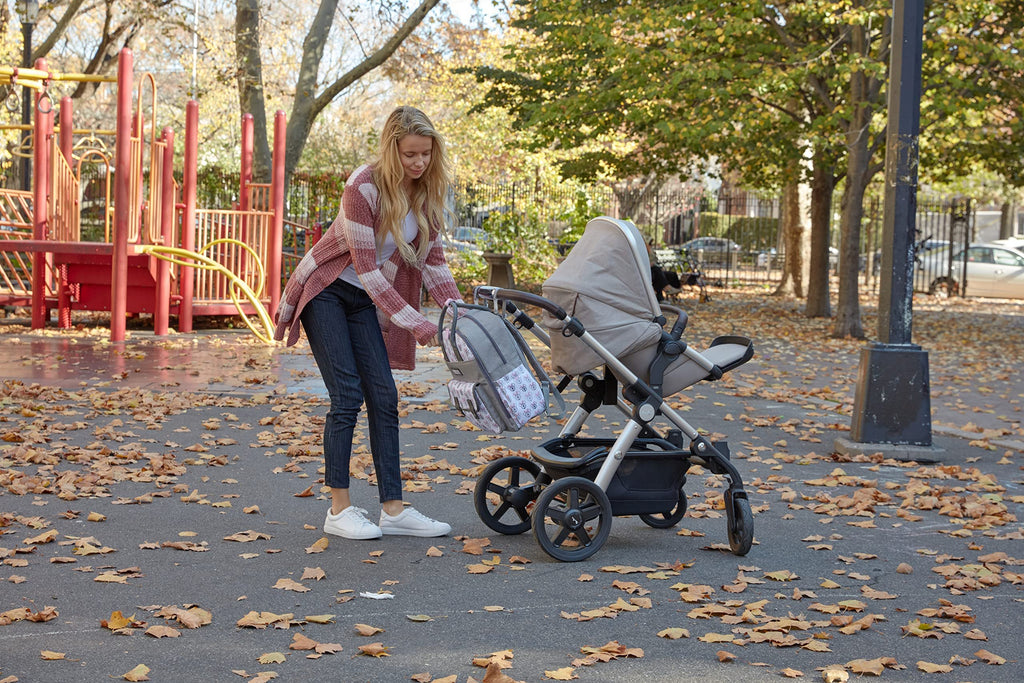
[{"x": 177, "y": 482}]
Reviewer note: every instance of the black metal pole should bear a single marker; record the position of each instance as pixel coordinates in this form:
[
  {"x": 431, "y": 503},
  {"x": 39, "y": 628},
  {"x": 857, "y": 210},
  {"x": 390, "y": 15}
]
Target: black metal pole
[
  {"x": 901, "y": 161},
  {"x": 892, "y": 404},
  {"x": 26, "y": 104}
]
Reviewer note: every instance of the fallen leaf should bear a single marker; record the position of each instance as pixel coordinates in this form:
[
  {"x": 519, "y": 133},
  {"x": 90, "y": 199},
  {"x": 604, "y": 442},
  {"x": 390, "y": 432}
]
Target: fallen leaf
[
  {"x": 835, "y": 674},
  {"x": 312, "y": 574},
  {"x": 318, "y": 547},
  {"x": 874, "y": 667},
  {"x": 50, "y": 655},
  {"x": 137, "y": 674},
  {"x": 989, "y": 658},
  {"x": 272, "y": 658},
  {"x": 374, "y": 650},
  {"x": 566, "y": 673},
  {"x": 791, "y": 673},
  {"x": 674, "y": 633},
  {"x": 321, "y": 618},
  {"x": 162, "y": 631},
  {"x": 724, "y": 656},
  {"x": 930, "y": 668},
  {"x": 367, "y": 630},
  {"x": 290, "y": 585}
]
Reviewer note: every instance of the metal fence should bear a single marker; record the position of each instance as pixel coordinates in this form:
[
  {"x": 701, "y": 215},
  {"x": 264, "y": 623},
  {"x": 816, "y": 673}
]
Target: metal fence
[{"x": 734, "y": 235}]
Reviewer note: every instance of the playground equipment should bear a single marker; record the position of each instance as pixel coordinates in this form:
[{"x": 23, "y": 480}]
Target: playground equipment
[
  {"x": 148, "y": 261},
  {"x": 191, "y": 259}
]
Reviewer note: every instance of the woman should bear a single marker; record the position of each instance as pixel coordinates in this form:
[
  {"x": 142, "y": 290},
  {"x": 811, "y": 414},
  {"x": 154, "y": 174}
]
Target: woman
[{"x": 357, "y": 293}]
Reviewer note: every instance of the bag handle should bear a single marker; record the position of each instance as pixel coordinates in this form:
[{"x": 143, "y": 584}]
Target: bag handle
[{"x": 453, "y": 305}]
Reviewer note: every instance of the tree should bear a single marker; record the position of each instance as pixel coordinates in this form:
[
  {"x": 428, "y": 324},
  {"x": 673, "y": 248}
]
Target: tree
[
  {"x": 309, "y": 98},
  {"x": 759, "y": 86}
]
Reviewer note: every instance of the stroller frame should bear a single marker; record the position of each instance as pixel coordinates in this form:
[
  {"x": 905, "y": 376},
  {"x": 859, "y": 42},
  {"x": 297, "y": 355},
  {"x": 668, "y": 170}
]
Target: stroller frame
[{"x": 572, "y": 487}]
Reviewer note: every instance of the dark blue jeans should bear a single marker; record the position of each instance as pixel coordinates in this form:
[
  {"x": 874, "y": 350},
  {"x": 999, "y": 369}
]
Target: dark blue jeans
[{"x": 346, "y": 341}]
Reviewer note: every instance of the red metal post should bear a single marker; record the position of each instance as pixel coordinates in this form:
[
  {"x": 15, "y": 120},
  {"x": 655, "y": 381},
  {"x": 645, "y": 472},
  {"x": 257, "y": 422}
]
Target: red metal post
[
  {"x": 66, "y": 129},
  {"x": 246, "y": 162},
  {"x": 186, "y": 275},
  {"x": 40, "y": 190},
  {"x": 122, "y": 198},
  {"x": 245, "y": 175},
  {"x": 277, "y": 206},
  {"x": 162, "y": 305}
]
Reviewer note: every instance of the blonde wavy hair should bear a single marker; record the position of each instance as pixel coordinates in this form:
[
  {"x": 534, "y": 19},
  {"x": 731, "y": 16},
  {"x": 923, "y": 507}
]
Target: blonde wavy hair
[{"x": 429, "y": 191}]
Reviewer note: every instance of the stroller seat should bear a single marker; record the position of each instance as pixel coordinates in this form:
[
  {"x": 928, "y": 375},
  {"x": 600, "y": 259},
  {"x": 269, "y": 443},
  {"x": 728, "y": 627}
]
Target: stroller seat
[
  {"x": 725, "y": 354},
  {"x": 604, "y": 282}
]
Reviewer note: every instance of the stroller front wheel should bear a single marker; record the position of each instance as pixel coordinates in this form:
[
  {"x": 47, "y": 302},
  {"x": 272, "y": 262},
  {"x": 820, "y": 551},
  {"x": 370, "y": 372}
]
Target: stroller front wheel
[
  {"x": 741, "y": 527},
  {"x": 505, "y": 493},
  {"x": 572, "y": 519}
]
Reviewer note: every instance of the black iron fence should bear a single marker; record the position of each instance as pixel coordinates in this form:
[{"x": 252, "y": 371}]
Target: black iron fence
[{"x": 734, "y": 235}]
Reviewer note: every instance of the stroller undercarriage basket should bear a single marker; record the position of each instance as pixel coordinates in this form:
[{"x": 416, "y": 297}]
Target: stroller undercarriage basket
[
  {"x": 649, "y": 480},
  {"x": 571, "y": 487}
]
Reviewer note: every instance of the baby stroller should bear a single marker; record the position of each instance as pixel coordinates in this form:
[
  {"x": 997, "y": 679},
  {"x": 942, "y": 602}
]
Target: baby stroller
[{"x": 607, "y": 330}]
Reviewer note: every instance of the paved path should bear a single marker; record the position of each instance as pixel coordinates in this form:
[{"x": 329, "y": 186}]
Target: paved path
[{"x": 162, "y": 475}]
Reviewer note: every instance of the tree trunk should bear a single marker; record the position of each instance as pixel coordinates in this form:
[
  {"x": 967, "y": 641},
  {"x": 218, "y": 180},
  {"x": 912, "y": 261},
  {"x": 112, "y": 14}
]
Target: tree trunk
[
  {"x": 848, "y": 322},
  {"x": 249, "y": 66},
  {"x": 795, "y": 243},
  {"x": 823, "y": 184},
  {"x": 1008, "y": 219}
]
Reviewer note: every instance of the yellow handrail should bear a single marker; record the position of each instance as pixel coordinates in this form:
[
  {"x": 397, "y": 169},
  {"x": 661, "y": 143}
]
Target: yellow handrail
[{"x": 198, "y": 260}]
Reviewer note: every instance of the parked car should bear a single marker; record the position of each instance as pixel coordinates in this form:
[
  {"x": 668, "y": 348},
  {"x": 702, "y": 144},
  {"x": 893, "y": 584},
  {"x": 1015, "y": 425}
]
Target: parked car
[
  {"x": 466, "y": 239},
  {"x": 991, "y": 270},
  {"x": 467, "y": 233},
  {"x": 712, "y": 249}
]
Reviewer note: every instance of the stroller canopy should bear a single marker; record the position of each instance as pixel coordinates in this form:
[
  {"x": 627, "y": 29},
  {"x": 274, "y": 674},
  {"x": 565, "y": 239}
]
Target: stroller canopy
[{"x": 605, "y": 282}]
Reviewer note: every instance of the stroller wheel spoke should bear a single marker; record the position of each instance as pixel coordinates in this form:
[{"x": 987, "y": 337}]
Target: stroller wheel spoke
[
  {"x": 505, "y": 493},
  {"x": 562, "y": 537},
  {"x": 557, "y": 516},
  {"x": 591, "y": 512}
]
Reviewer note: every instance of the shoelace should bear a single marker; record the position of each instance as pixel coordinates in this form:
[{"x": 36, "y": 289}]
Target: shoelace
[
  {"x": 360, "y": 514},
  {"x": 419, "y": 516}
]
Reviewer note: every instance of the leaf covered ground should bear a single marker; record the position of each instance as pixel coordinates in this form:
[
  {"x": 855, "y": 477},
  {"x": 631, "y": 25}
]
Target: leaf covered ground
[{"x": 161, "y": 503}]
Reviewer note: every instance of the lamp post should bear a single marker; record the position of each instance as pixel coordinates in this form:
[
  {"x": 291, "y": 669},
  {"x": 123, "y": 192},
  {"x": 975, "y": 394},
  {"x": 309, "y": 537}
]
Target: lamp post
[
  {"x": 28, "y": 12},
  {"x": 892, "y": 404}
]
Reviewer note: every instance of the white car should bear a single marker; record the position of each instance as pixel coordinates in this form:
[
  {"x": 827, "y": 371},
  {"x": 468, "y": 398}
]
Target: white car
[{"x": 991, "y": 270}]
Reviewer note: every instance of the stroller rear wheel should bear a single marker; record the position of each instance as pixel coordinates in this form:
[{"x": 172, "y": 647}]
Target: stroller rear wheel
[
  {"x": 572, "y": 519},
  {"x": 505, "y": 493},
  {"x": 741, "y": 526},
  {"x": 667, "y": 520}
]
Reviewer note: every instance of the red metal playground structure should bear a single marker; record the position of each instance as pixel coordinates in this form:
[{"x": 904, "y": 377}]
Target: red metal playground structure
[{"x": 161, "y": 254}]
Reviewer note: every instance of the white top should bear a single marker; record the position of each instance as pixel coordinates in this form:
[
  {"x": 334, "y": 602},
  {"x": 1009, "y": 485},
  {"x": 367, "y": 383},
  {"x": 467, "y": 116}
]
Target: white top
[{"x": 410, "y": 230}]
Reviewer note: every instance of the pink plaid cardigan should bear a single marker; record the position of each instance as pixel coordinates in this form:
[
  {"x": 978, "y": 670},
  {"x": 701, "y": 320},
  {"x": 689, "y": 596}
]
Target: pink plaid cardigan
[{"x": 394, "y": 287}]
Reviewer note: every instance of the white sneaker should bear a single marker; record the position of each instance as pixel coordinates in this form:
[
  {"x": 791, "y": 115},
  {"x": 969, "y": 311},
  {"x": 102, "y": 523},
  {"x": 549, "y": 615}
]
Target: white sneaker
[
  {"x": 411, "y": 522},
  {"x": 351, "y": 523}
]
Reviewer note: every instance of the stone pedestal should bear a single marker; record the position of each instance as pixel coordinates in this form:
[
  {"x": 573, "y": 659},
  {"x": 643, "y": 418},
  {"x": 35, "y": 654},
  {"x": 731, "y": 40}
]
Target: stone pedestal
[{"x": 499, "y": 270}]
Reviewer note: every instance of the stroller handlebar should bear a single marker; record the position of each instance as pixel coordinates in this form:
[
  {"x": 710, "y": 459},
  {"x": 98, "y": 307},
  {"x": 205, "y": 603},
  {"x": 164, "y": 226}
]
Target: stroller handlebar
[{"x": 489, "y": 293}]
